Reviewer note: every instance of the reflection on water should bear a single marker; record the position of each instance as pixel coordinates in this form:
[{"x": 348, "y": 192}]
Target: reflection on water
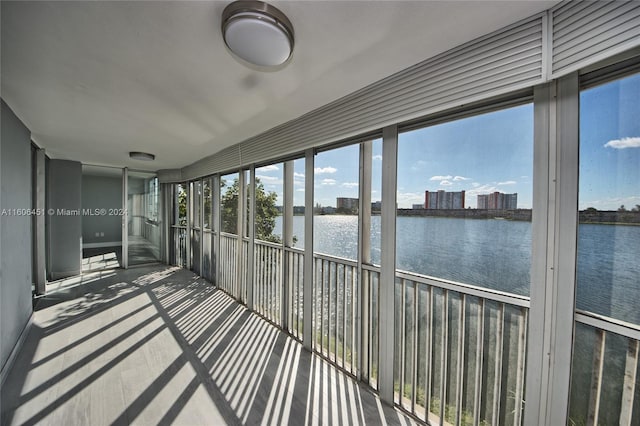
[{"x": 497, "y": 254}]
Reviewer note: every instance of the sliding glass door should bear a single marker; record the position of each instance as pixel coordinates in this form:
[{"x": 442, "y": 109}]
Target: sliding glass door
[{"x": 143, "y": 218}]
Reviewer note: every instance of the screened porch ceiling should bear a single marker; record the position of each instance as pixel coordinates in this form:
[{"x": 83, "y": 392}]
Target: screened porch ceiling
[{"x": 95, "y": 80}]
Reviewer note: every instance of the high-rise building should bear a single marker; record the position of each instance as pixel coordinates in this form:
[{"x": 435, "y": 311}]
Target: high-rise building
[
  {"x": 498, "y": 201},
  {"x": 442, "y": 199},
  {"x": 344, "y": 204}
]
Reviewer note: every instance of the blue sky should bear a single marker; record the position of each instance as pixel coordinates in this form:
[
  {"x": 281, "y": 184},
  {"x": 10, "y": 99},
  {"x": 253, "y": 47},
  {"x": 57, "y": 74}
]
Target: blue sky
[
  {"x": 492, "y": 152},
  {"x": 610, "y": 145}
]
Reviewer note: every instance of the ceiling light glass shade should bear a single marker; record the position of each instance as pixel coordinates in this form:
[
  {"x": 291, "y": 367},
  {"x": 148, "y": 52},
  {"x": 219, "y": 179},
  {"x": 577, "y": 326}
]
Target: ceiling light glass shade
[{"x": 257, "y": 33}]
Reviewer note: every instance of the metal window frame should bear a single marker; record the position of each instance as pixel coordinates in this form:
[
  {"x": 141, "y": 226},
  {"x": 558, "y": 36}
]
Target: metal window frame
[
  {"x": 216, "y": 228},
  {"x": 287, "y": 242},
  {"x": 307, "y": 311},
  {"x": 252, "y": 235},
  {"x": 364, "y": 256},
  {"x": 125, "y": 219},
  {"x": 554, "y": 230},
  {"x": 387, "y": 262}
]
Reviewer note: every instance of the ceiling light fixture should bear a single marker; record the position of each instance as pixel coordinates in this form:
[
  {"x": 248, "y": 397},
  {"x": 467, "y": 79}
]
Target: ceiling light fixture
[
  {"x": 144, "y": 156},
  {"x": 257, "y": 33}
]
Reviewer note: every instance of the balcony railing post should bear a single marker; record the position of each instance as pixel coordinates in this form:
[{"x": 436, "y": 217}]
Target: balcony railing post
[{"x": 388, "y": 262}]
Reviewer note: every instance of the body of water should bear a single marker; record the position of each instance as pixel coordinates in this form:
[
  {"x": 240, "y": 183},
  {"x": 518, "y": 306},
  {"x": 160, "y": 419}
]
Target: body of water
[{"x": 496, "y": 253}]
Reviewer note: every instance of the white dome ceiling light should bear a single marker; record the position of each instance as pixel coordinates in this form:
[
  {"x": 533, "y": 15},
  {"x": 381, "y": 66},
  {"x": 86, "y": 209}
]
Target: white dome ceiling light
[{"x": 257, "y": 32}]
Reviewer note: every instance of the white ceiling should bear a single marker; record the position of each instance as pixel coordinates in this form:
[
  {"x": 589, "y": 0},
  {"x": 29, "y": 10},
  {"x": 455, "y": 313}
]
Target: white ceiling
[{"x": 95, "y": 80}]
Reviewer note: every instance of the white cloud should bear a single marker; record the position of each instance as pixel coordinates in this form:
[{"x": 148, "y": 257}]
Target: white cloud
[
  {"x": 270, "y": 168},
  {"x": 441, "y": 177},
  {"x": 300, "y": 190},
  {"x": 298, "y": 175},
  {"x": 475, "y": 184},
  {"x": 328, "y": 182},
  {"x": 323, "y": 170},
  {"x": 482, "y": 189},
  {"x": 445, "y": 183},
  {"x": 458, "y": 178},
  {"x": 377, "y": 157},
  {"x": 269, "y": 179},
  {"x": 407, "y": 199},
  {"x": 350, "y": 184},
  {"x": 508, "y": 182},
  {"x": 623, "y": 143}
]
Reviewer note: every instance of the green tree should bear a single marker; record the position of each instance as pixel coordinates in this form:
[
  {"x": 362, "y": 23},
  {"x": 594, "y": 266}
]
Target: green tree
[
  {"x": 182, "y": 205},
  {"x": 265, "y": 206},
  {"x": 622, "y": 208}
]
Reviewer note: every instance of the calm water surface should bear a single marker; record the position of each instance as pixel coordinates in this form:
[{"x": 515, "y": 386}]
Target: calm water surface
[{"x": 496, "y": 254}]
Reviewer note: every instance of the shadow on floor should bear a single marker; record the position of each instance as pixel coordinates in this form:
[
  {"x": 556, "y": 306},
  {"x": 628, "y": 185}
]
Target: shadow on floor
[{"x": 158, "y": 345}]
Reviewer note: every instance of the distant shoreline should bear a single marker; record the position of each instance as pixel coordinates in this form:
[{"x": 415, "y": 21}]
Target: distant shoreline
[{"x": 598, "y": 217}]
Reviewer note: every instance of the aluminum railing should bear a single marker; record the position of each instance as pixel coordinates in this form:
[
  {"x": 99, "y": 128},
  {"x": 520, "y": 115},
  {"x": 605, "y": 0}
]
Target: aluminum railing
[
  {"x": 228, "y": 264},
  {"x": 179, "y": 247},
  {"x": 370, "y": 324},
  {"x": 294, "y": 263},
  {"x": 610, "y": 374},
  {"x": 267, "y": 287},
  {"x": 460, "y": 352},
  {"x": 335, "y": 306}
]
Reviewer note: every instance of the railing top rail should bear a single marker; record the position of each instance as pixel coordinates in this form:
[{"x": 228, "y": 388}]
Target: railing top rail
[
  {"x": 297, "y": 250},
  {"x": 226, "y": 234},
  {"x": 344, "y": 261},
  {"x": 606, "y": 323},
  {"x": 485, "y": 293},
  {"x": 179, "y": 226},
  {"x": 371, "y": 267},
  {"x": 268, "y": 244}
]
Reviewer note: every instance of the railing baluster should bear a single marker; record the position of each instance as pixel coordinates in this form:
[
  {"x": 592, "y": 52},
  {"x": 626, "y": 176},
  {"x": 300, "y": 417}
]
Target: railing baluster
[
  {"x": 428, "y": 358},
  {"x": 497, "y": 376},
  {"x": 414, "y": 367},
  {"x": 630, "y": 374},
  {"x": 477, "y": 397},
  {"x": 337, "y": 308},
  {"x": 596, "y": 378},
  {"x": 520, "y": 366},
  {"x": 443, "y": 352},
  {"x": 323, "y": 302},
  {"x": 344, "y": 316},
  {"x": 460, "y": 359},
  {"x": 402, "y": 346},
  {"x": 355, "y": 308},
  {"x": 368, "y": 345}
]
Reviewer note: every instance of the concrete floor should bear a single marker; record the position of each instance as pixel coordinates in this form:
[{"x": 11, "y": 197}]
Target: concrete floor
[{"x": 158, "y": 345}]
